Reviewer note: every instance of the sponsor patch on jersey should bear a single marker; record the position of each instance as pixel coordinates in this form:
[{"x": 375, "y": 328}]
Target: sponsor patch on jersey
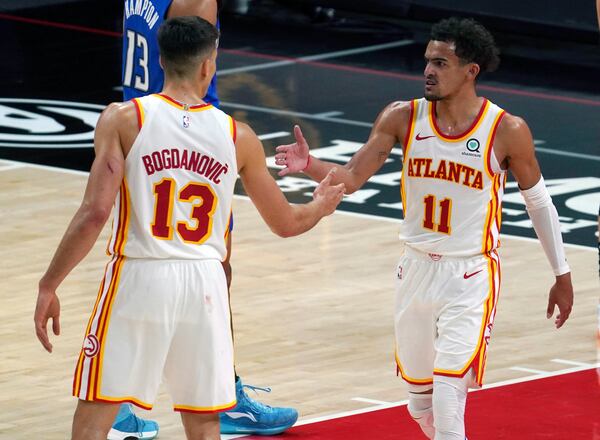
[{"x": 473, "y": 145}]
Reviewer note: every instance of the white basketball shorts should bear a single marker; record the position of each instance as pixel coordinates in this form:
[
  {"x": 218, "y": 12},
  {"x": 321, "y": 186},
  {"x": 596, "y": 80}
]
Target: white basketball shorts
[
  {"x": 444, "y": 312},
  {"x": 154, "y": 320}
]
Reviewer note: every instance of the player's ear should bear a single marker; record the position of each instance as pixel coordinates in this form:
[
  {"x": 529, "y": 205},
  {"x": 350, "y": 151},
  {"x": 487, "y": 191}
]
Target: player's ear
[
  {"x": 473, "y": 71},
  {"x": 205, "y": 67},
  {"x": 160, "y": 62}
]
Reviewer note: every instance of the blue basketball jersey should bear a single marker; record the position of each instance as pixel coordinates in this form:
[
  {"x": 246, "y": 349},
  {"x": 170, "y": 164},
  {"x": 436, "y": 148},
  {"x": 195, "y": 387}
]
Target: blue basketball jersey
[{"x": 141, "y": 71}]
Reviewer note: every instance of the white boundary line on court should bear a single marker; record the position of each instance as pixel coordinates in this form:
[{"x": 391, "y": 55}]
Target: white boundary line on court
[
  {"x": 566, "y": 153},
  {"x": 317, "y": 116},
  {"x": 242, "y": 197},
  {"x": 317, "y": 57},
  {"x": 365, "y": 400},
  {"x": 528, "y": 370},
  {"x": 575, "y": 363},
  {"x": 45, "y": 167},
  {"x": 12, "y": 166}
]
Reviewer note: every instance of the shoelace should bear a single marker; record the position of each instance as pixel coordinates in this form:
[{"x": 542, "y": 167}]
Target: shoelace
[
  {"x": 139, "y": 424},
  {"x": 253, "y": 388},
  {"x": 254, "y": 403}
]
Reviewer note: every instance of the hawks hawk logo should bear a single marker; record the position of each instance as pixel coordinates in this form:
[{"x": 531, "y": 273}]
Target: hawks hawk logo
[
  {"x": 91, "y": 346},
  {"x": 37, "y": 123}
]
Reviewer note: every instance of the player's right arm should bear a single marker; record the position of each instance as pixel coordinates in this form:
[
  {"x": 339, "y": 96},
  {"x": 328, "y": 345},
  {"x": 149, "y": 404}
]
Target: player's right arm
[
  {"x": 116, "y": 124},
  {"x": 284, "y": 219},
  {"x": 207, "y": 9},
  {"x": 388, "y": 129}
]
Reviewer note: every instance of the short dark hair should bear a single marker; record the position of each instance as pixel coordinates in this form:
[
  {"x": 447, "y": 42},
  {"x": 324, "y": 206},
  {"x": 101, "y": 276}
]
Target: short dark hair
[
  {"x": 184, "y": 42},
  {"x": 474, "y": 43}
]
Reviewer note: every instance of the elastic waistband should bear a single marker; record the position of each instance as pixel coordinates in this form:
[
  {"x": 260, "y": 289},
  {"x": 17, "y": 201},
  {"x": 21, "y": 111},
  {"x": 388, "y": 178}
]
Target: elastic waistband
[
  {"x": 413, "y": 253},
  {"x": 171, "y": 260}
]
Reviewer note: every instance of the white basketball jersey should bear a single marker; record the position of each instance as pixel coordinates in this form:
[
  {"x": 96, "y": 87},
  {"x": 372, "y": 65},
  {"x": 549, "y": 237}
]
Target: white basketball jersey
[
  {"x": 175, "y": 199},
  {"x": 452, "y": 186}
]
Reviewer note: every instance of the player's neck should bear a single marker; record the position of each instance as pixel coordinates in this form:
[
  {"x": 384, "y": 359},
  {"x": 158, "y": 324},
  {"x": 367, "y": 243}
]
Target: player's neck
[
  {"x": 184, "y": 92},
  {"x": 454, "y": 113}
]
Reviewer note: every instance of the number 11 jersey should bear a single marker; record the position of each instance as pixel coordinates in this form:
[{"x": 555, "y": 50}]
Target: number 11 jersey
[
  {"x": 452, "y": 186},
  {"x": 176, "y": 195}
]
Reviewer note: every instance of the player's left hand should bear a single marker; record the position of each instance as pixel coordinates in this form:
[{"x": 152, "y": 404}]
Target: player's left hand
[
  {"x": 294, "y": 156},
  {"x": 327, "y": 195},
  {"x": 48, "y": 306},
  {"x": 561, "y": 296}
]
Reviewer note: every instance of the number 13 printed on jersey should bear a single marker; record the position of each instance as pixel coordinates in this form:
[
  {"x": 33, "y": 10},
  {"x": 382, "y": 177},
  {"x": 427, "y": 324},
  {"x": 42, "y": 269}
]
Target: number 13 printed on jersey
[
  {"x": 136, "y": 58},
  {"x": 204, "y": 204}
]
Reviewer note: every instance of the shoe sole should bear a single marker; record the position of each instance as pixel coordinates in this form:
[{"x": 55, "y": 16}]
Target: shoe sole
[
  {"x": 113, "y": 434},
  {"x": 249, "y": 431}
]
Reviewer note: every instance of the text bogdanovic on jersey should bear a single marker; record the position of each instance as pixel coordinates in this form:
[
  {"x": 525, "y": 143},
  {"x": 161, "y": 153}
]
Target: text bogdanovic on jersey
[
  {"x": 182, "y": 169},
  {"x": 452, "y": 186}
]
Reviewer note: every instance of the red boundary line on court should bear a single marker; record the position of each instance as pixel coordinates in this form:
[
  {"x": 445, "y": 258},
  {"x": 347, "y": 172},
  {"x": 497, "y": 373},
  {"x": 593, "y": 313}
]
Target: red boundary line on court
[
  {"x": 72, "y": 27},
  {"x": 364, "y": 70}
]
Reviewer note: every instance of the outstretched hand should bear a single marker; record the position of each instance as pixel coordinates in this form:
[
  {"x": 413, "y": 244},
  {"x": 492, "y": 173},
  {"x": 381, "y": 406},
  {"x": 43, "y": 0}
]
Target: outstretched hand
[
  {"x": 294, "y": 156},
  {"x": 48, "y": 306},
  {"x": 329, "y": 195},
  {"x": 561, "y": 296}
]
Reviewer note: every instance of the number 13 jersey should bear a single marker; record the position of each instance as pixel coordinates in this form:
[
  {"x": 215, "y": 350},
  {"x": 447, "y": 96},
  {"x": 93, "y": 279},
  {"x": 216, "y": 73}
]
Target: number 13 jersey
[
  {"x": 452, "y": 186},
  {"x": 175, "y": 199}
]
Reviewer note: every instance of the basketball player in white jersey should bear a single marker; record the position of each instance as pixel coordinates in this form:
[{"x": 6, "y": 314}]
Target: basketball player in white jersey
[
  {"x": 143, "y": 75},
  {"x": 169, "y": 163},
  {"x": 457, "y": 150}
]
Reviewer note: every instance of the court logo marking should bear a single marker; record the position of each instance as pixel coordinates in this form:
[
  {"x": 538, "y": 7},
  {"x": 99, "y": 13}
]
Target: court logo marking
[{"x": 39, "y": 123}]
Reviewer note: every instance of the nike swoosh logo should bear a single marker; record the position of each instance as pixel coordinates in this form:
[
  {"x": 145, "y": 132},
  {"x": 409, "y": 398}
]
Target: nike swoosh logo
[
  {"x": 422, "y": 138},
  {"x": 241, "y": 415},
  {"x": 466, "y": 276}
]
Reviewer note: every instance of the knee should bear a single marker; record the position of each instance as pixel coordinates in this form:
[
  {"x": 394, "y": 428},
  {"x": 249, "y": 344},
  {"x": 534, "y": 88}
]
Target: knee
[
  {"x": 420, "y": 405},
  {"x": 449, "y": 399},
  {"x": 420, "y": 408}
]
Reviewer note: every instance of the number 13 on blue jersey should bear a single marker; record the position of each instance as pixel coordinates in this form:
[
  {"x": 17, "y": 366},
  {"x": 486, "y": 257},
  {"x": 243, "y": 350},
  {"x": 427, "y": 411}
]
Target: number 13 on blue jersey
[{"x": 137, "y": 55}]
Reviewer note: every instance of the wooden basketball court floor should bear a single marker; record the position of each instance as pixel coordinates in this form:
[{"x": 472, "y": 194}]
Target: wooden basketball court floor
[{"x": 312, "y": 314}]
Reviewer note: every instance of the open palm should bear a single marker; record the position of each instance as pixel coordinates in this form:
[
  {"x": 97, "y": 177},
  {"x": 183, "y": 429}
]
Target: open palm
[{"x": 294, "y": 156}]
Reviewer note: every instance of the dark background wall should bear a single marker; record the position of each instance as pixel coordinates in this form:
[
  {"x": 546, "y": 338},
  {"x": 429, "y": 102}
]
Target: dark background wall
[
  {"x": 559, "y": 19},
  {"x": 578, "y": 14}
]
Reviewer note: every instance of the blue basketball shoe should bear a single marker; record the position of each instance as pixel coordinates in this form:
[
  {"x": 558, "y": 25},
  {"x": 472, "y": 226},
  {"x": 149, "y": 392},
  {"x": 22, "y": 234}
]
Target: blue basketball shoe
[
  {"x": 129, "y": 426},
  {"x": 252, "y": 417}
]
